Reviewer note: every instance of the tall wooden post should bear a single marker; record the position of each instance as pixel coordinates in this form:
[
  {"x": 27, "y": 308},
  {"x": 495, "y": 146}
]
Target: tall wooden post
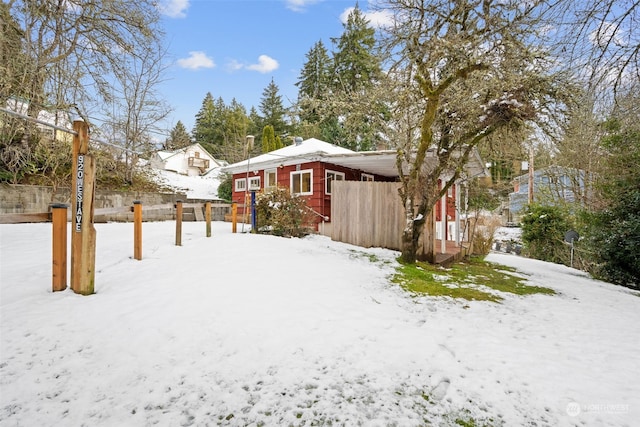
[
  {"x": 83, "y": 234},
  {"x": 207, "y": 216},
  {"x": 234, "y": 217},
  {"x": 59, "y": 247},
  {"x": 137, "y": 230},
  {"x": 179, "y": 223}
]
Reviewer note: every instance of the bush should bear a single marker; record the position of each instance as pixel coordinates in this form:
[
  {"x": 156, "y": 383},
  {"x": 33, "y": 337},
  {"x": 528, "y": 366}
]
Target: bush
[
  {"x": 483, "y": 234},
  {"x": 543, "y": 230},
  {"x": 280, "y": 213},
  {"x": 614, "y": 238},
  {"x": 224, "y": 188}
]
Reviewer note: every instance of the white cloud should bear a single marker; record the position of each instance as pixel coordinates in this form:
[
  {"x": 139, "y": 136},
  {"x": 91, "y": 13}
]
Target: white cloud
[
  {"x": 196, "y": 60},
  {"x": 265, "y": 64},
  {"x": 174, "y": 8},
  {"x": 377, "y": 19},
  {"x": 234, "y": 65},
  {"x": 299, "y": 5}
]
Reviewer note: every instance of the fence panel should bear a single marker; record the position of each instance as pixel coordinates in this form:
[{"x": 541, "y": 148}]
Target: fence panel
[{"x": 367, "y": 214}]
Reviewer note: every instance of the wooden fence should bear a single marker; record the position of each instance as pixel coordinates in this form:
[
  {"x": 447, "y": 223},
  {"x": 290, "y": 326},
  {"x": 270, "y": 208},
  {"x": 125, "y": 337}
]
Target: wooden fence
[
  {"x": 163, "y": 212},
  {"x": 367, "y": 214}
]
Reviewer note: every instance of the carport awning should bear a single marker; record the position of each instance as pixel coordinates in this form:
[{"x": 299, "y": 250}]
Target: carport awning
[
  {"x": 374, "y": 162},
  {"x": 384, "y": 162}
]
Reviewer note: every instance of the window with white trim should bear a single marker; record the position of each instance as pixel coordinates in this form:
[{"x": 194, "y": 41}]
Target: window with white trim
[
  {"x": 301, "y": 182},
  {"x": 329, "y": 177},
  {"x": 241, "y": 184},
  {"x": 366, "y": 177},
  {"x": 270, "y": 179},
  {"x": 254, "y": 183}
]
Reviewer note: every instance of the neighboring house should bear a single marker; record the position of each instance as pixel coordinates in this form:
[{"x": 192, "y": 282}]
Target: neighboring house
[
  {"x": 309, "y": 167},
  {"x": 192, "y": 160},
  {"x": 59, "y": 119},
  {"x": 551, "y": 185}
]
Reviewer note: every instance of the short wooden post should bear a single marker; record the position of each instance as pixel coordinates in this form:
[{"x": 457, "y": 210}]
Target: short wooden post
[
  {"x": 234, "y": 217},
  {"x": 179, "y": 223},
  {"x": 137, "y": 230},
  {"x": 207, "y": 216},
  {"x": 59, "y": 249}
]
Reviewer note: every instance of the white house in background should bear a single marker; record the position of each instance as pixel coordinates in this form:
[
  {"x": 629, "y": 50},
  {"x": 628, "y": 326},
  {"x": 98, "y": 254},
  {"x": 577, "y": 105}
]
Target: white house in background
[
  {"x": 193, "y": 160},
  {"x": 60, "y": 119}
]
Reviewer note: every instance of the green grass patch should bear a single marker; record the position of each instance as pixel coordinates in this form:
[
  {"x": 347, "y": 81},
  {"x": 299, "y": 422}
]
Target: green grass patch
[{"x": 472, "y": 280}]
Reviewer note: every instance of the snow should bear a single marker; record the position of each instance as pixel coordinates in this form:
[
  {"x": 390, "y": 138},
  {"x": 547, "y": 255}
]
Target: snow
[
  {"x": 195, "y": 187},
  {"x": 243, "y": 329},
  {"x": 309, "y": 147}
]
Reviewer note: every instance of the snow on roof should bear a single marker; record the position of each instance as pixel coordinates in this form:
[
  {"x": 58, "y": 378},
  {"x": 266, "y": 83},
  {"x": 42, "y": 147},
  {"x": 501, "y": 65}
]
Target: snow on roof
[
  {"x": 308, "y": 149},
  {"x": 164, "y": 155}
]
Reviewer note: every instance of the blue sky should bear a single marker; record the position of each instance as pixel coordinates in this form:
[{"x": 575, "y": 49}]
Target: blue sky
[{"x": 233, "y": 48}]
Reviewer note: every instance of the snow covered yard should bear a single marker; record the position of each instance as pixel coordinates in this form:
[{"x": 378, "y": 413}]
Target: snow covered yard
[{"x": 242, "y": 329}]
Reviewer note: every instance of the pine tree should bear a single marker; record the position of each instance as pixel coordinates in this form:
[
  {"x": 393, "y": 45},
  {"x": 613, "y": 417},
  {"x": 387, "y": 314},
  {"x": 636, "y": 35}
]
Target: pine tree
[
  {"x": 268, "y": 139},
  {"x": 355, "y": 64},
  {"x": 355, "y": 114},
  {"x": 178, "y": 138},
  {"x": 314, "y": 82},
  {"x": 273, "y": 112},
  {"x": 204, "y": 128}
]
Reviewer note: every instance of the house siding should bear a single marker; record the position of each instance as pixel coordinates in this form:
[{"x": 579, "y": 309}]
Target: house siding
[{"x": 318, "y": 202}]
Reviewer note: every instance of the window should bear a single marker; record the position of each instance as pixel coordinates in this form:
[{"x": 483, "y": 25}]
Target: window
[
  {"x": 366, "y": 177},
  {"x": 301, "y": 182},
  {"x": 254, "y": 183},
  {"x": 241, "y": 184},
  {"x": 329, "y": 177},
  {"x": 270, "y": 179}
]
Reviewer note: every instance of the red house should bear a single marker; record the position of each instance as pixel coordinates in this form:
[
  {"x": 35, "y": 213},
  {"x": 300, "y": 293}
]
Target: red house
[{"x": 309, "y": 167}]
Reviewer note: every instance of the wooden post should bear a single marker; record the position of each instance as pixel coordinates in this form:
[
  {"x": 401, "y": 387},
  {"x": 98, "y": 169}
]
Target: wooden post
[
  {"x": 234, "y": 217},
  {"x": 59, "y": 249},
  {"x": 137, "y": 230},
  {"x": 83, "y": 234},
  {"x": 207, "y": 216},
  {"x": 179, "y": 223}
]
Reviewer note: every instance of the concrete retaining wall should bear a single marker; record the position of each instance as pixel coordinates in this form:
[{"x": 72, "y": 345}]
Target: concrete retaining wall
[{"x": 108, "y": 205}]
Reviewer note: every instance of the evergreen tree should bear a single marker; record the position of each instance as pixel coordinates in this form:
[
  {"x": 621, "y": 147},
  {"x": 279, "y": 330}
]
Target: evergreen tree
[
  {"x": 233, "y": 128},
  {"x": 178, "y": 138},
  {"x": 356, "y": 114},
  {"x": 356, "y": 66},
  {"x": 204, "y": 128},
  {"x": 273, "y": 112},
  {"x": 268, "y": 139},
  {"x": 614, "y": 231},
  {"x": 314, "y": 83}
]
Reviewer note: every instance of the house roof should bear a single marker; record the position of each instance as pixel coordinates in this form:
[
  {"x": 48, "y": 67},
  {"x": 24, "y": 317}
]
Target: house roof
[
  {"x": 164, "y": 155},
  {"x": 375, "y": 162}
]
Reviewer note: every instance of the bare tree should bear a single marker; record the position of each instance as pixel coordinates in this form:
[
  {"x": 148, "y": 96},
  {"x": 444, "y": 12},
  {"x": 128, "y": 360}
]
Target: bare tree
[
  {"x": 465, "y": 69},
  {"x": 137, "y": 109},
  {"x": 600, "y": 41},
  {"x": 90, "y": 35}
]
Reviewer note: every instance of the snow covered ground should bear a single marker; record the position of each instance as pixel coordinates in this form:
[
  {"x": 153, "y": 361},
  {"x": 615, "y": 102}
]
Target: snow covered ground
[
  {"x": 242, "y": 329},
  {"x": 195, "y": 187}
]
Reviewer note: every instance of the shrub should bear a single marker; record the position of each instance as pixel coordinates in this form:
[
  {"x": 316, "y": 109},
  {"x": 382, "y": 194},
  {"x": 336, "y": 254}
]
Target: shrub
[
  {"x": 224, "y": 188},
  {"x": 484, "y": 232},
  {"x": 543, "y": 230},
  {"x": 280, "y": 213}
]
